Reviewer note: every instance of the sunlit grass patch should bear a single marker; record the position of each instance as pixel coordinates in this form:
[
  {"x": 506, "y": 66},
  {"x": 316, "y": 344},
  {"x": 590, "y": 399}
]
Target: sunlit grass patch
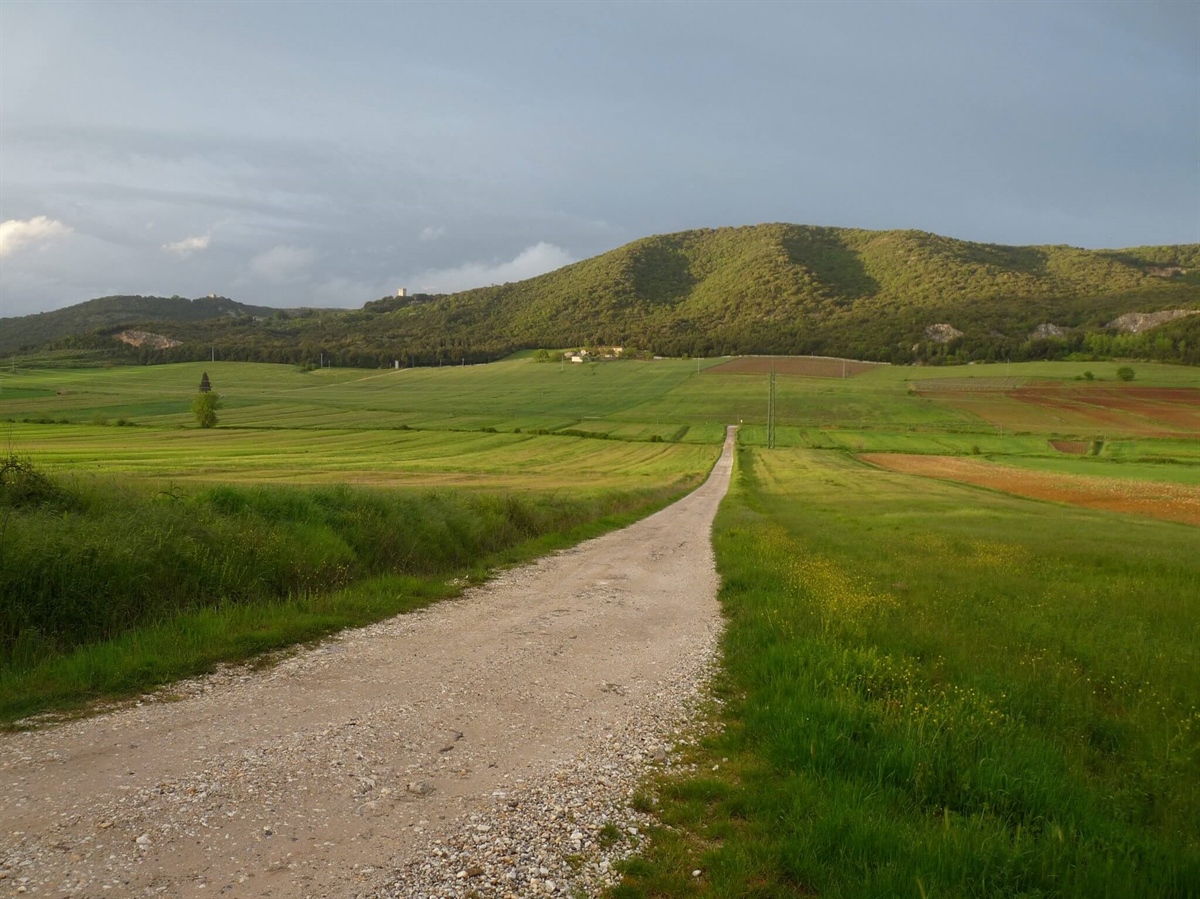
[
  {"x": 110, "y": 587},
  {"x": 930, "y": 691}
]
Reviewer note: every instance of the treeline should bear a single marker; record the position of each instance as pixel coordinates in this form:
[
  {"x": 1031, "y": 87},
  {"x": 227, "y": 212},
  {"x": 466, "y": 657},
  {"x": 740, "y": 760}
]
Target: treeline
[
  {"x": 1177, "y": 341},
  {"x": 349, "y": 347}
]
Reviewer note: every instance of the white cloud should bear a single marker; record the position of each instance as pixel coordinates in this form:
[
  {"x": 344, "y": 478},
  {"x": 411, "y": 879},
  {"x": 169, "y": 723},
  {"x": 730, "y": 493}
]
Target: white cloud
[
  {"x": 431, "y": 233},
  {"x": 535, "y": 260},
  {"x": 187, "y": 246},
  {"x": 16, "y": 233},
  {"x": 282, "y": 264}
]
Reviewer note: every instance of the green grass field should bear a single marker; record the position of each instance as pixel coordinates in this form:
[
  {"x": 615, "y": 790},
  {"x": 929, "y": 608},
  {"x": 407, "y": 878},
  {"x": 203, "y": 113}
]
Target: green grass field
[
  {"x": 108, "y": 579},
  {"x": 673, "y": 400},
  {"x": 358, "y": 456},
  {"x": 929, "y": 689},
  {"x": 517, "y": 393},
  {"x": 932, "y": 690}
]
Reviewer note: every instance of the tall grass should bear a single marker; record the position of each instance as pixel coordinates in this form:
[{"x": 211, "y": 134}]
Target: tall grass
[
  {"x": 84, "y": 563},
  {"x": 936, "y": 691}
]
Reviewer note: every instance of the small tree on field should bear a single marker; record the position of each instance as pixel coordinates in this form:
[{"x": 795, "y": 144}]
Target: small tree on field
[
  {"x": 205, "y": 407},
  {"x": 206, "y": 404},
  {"x": 1125, "y": 373}
]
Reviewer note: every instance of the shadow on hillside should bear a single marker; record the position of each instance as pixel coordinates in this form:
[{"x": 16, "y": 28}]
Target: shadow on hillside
[
  {"x": 838, "y": 267},
  {"x": 1028, "y": 260},
  {"x": 661, "y": 274}
]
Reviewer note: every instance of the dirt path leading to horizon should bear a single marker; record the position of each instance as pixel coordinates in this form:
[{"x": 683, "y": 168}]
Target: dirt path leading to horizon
[{"x": 335, "y": 772}]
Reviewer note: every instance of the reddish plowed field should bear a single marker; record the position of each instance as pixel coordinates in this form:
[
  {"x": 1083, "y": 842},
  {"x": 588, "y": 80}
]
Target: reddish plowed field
[
  {"x": 971, "y": 385},
  {"x": 811, "y": 366},
  {"x": 1074, "y": 447},
  {"x": 1169, "y": 502},
  {"x": 1135, "y": 411},
  {"x": 1149, "y": 409}
]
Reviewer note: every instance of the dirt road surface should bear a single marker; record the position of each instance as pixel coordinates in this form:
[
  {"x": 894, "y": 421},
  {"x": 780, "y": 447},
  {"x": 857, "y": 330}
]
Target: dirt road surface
[{"x": 471, "y": 747}]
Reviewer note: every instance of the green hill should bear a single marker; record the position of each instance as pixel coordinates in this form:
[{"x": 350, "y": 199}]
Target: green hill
[
  {"x": 774, "y": 288},
  {"x": 32, "y": 331},
  {"x": 788, "y": 288}
]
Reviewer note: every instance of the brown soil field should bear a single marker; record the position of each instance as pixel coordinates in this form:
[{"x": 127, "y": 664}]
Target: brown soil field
[
  {"x": 1175, "y": 407},
  {"x": 1080, "y": 408},
  {"x": 1168, "y": 502},
  {"x": 1074, "y": 447},
  {"x": 972, "y": 385},
  {"x": 809, "y": 366},
  {"x": 1133, "y": 411}
]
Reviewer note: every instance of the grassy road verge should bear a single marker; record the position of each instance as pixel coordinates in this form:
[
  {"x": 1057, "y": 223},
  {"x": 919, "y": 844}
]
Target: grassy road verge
[
  {"x": 111, "y": 588},
  {"x": 931, "y": 690}
]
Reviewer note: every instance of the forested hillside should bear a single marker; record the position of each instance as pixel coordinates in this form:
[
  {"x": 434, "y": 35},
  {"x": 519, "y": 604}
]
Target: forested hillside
[
  {"x": 899, "y": 296},
  {"x": 31, "y": 331}
]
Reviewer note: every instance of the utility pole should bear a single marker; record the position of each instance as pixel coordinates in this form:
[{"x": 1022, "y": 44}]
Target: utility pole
[{"x": 771, "y": 411}]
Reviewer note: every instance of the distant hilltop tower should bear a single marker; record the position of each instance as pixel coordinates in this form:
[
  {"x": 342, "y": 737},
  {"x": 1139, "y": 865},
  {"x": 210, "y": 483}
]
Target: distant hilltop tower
[
  {"x": 401, "y": 291},
  {"x": 205, "y": 386}
]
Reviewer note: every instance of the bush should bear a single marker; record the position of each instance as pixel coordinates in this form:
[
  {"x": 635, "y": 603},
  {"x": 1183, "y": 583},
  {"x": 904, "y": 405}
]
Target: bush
[
  {"x": 1125, "y": 373},
  {"x": 22, "y": 484},
  {"x": 205, "y": 407}
]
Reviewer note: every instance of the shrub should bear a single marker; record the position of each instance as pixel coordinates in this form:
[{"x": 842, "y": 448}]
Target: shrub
[
  {"x": 1125, "y": 373},
  {"x": 205, "y": 407},
  {"x": 22, "y": 484}
]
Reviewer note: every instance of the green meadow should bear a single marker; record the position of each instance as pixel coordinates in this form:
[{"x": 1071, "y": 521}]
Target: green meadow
[
  {"x": 510, "y": 395},
  {"x": 137, "y": 548},
  {"x": 932, "y": 690},
  {"x": 927, "y": 688},
  {"x": 358, "y": 456}
]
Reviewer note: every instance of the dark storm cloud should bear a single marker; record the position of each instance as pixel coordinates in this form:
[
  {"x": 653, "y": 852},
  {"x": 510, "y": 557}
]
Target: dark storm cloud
[{"x": 328, "y": 153}]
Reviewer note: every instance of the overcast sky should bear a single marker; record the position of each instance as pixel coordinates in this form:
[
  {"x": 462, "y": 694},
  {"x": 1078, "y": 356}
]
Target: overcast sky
[{"x": 328, "y": 153}]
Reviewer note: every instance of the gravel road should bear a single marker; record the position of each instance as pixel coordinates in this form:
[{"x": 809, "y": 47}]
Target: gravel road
[{"x": 487, "y": 746}]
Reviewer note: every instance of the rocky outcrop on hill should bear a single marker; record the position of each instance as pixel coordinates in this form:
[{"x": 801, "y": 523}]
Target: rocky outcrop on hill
[
  {"x": 146, "y": 338},
  {"x": 942, "y": 333},
  {"x": 1135, "y": 322},
  {"x": 1047, "y": 330}
]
